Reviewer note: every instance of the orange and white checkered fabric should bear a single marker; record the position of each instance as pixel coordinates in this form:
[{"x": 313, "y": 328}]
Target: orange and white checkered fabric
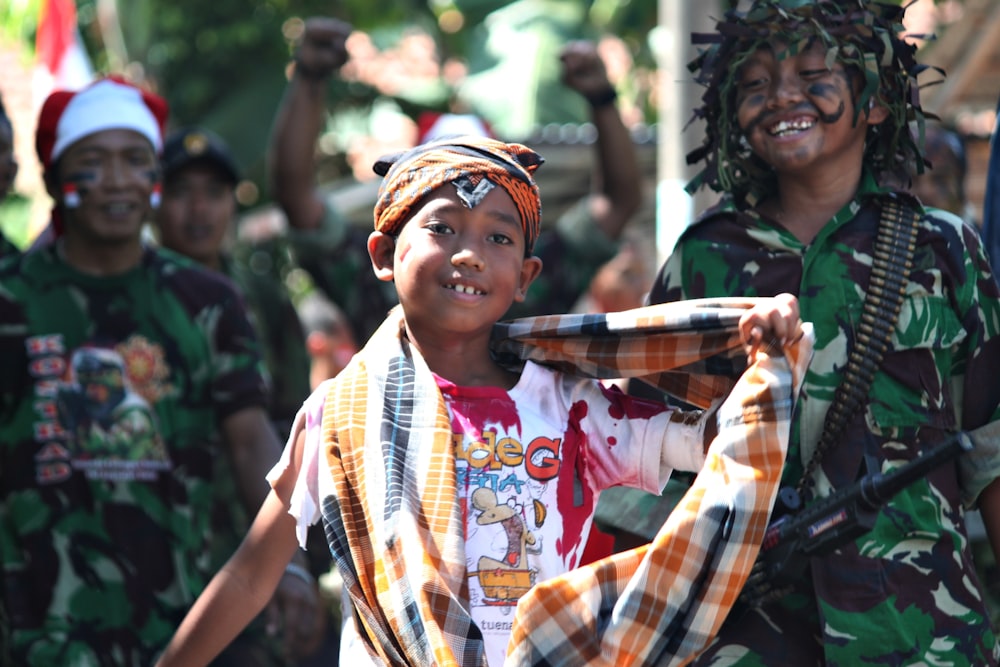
[{"x": 393, "y": 519}]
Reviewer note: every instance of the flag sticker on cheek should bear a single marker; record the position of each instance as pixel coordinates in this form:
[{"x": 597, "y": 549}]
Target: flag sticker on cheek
[
  {"x": 156, "y": 196},
  {"x": 75, "y": 188},
  {"x": 71, "y": 196}
]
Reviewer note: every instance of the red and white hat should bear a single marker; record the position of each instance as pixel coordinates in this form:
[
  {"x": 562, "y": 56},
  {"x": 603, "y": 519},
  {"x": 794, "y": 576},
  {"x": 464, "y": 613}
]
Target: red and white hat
[
  {"x": 107, "y": 104},
  {"x": 432, "y": 125}
]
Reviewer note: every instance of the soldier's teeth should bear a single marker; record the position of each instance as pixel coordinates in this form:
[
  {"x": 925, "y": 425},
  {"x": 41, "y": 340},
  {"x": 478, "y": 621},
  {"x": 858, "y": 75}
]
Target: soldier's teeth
[{"x": 785, "y": 127}]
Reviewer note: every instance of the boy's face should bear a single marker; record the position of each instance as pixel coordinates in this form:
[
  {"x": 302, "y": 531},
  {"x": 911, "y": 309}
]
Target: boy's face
[
  {"x": 456, "y": 269},
  {"x": 114, "y": 172},
  {"x": 197, "y": 207},
  {"x": 796, "y": 113}
]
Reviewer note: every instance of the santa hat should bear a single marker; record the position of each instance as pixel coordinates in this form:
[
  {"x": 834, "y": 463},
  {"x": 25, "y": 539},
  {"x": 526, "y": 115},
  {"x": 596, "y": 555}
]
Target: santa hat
[
  {"x": 432, "y": 125},
  {"x": 108, "y": 104}
]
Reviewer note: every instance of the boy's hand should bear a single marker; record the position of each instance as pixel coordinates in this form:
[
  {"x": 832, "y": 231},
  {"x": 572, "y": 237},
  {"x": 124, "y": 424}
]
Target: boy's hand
[
  {"x": 776, "y": 318},
  {"x": 583, "y": 70},
  {"x": 322, "y": 48}
]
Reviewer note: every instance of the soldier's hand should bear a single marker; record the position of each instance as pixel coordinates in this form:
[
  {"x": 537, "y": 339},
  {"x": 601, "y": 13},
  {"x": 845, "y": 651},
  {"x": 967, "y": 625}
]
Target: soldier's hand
[
  {"x": 295, "y": 613},
  {"x": 322, "y": 49},
  {"x": 583, "y": 69}
]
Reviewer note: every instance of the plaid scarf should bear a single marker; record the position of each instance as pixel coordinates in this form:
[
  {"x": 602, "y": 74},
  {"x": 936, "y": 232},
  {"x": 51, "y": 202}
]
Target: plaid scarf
[{"x": 395, "y": 528}]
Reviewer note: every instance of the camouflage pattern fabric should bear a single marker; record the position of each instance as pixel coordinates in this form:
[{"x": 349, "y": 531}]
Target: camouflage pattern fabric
[
  {"x": 907, "y": 592},
  {"x": 336, "y": 258},
  {"x": 7, "y": 249},
  {"x": 102, "y": 555},
  {"x": 572, "y": 251},
  {"x": 259, "y": 270}
]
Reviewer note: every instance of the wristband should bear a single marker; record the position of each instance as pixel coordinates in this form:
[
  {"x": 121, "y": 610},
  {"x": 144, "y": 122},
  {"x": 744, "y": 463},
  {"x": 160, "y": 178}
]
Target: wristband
[
  {"x": 300, "y": 572},
  {"x": 310, "y": 74},
  {"x": 603, "y": 98}
]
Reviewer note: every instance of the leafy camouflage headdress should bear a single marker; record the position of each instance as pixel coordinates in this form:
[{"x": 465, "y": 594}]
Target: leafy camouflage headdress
[{"x": 864, "y": 36}]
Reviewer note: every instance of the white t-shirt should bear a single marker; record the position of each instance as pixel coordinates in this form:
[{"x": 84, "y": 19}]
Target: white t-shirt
[{"x": 531, "y": 464}]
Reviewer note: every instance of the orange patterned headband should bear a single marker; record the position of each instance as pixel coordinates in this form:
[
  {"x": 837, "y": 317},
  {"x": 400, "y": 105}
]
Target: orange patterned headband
[{"x": 465, "y": 162}]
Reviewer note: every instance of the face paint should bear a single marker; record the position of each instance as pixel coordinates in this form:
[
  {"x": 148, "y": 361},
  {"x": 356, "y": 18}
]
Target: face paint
[
  {"x": 74, "y": 188},
  {"x": 156, "y": 196},
  {"x": 71, "y": 198},
  {"x": 864, "y": 39}
]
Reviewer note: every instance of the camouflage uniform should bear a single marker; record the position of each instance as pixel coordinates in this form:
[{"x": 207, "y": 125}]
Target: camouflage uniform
[
  {"x": 103, "y": 555},
  {"x": 259, "y": 271},
  {"x": 336, "y": 257},
  {"x": 907, "y": 592},
  {"x": 7, "y": 249},
  {"x": 572, "y": 252}
]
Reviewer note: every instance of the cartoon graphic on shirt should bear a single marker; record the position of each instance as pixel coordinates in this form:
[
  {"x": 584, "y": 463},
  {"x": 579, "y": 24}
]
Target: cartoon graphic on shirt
[
  {"x": 110, "y": 428},
  {"x": 506, "y": 579}
]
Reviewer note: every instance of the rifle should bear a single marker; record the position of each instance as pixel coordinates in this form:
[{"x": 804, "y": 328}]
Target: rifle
[{"x": 832, "y": 521}]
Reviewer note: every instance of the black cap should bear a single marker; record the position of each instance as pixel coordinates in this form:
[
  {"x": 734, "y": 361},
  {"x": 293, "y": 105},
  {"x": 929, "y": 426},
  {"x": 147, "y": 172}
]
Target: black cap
[{"x": 194, "y": 144}]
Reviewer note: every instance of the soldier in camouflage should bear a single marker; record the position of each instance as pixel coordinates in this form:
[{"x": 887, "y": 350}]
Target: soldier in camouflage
[
  {"x": 195, "y": 219},
  {"x": 104, "y": 525},
  {"x": 806, "y": 105}
]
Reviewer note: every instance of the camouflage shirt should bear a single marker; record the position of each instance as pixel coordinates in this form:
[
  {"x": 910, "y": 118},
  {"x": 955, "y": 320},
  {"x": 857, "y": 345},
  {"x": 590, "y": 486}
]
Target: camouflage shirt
[
  {"x": 336, "y": 258},
  {"x": 258, "y": 271},
  {"x": 7, "y": 249},
  {"x": 572, "y": 251},
  {"x": 907, "y": 592},
  {"x": 112, "y": 390}
]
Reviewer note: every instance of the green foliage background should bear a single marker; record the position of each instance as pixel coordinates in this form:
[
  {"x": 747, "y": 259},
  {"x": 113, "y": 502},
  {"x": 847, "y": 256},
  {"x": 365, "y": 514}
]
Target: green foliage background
[{"x": 221, "y": 63}]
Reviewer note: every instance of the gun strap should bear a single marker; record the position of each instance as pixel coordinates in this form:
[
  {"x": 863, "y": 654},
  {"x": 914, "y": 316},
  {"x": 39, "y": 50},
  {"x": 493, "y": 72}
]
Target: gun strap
[{"x": 893, "y": 257}]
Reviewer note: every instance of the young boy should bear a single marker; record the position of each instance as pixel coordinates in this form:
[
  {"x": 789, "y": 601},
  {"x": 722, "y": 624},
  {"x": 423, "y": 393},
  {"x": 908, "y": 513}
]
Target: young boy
[
  {"x": 806, "y": 104},
  {"x": 440, "y": 518}
]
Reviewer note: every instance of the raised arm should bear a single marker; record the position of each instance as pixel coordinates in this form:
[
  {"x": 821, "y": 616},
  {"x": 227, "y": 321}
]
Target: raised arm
[
  {"x": 291, "y": 169},
  {"x": 618, "y": 191}
]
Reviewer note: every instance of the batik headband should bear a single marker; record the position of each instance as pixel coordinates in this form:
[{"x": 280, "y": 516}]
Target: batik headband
[
  {"x": 863, "y": 36},
  {"x": 475, "y": 165}
]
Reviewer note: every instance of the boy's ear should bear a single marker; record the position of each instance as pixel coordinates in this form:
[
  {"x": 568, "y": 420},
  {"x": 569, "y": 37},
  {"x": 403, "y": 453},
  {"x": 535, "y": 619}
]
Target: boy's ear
[
  {"x": 381, "y": 249},
  {"x": 530, "y": 268},
  {"x": 877, "y": 113}
]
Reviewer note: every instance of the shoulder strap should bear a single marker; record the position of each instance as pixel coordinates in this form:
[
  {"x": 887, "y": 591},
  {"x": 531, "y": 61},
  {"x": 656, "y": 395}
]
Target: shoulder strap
[{"x": 893, "y": 258}]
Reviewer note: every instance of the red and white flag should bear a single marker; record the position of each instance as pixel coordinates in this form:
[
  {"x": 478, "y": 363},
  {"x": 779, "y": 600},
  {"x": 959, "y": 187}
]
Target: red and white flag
[{"x": 62, "y": 63}]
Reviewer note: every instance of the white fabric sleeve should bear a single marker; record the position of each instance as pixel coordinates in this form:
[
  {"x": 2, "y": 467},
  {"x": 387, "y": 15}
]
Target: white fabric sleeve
[
  {"x": 642, "y": 431},
  {"x": 304, "y": 503},
  {"x": 683, "y": 444}
]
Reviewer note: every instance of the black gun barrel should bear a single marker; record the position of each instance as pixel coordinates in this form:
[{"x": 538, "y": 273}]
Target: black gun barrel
[
  {"x": 876, "y": 490},
  {"x": 834, "y": 520},
  {"x": 869, "y": 493}
]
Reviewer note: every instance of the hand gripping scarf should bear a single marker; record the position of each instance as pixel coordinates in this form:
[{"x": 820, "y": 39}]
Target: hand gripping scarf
[
  {"x": 395, "y": 527},
  {"x": 475, "y": 165}
]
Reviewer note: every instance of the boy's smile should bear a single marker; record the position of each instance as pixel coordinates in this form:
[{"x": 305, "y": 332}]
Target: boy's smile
[{"x": 796, "y": 112}]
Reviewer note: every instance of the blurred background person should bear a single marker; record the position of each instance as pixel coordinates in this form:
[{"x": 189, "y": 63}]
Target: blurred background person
[
  {"x": 943, "y": 184},
  {"x": 329, "y": 338},
  {"x": 8, "y": 171},
  {"x": 196, "y": 218}
]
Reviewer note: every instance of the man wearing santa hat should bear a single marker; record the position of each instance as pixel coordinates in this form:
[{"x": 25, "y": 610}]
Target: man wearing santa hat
[{"x": 127, "y": 374}]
